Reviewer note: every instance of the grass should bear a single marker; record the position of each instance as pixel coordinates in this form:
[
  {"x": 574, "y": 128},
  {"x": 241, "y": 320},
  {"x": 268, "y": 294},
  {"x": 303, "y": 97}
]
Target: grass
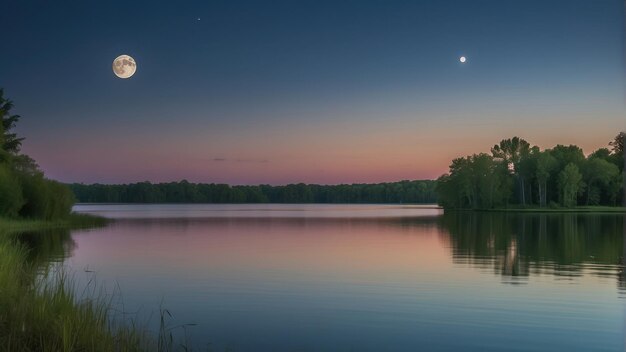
[
  {"x": 47, "y": 312},
  {"x": 39, "y": 314}
]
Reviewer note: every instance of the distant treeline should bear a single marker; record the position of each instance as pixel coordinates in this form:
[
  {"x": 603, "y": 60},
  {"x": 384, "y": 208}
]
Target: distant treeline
[
  {"x": 187, "y": 192},
  {"x": 24, "y": 191},
  {"x": 518, "y": 174}
]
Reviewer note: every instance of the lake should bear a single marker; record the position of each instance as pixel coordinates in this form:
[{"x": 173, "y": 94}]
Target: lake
[{"x": 358, "y": 277}]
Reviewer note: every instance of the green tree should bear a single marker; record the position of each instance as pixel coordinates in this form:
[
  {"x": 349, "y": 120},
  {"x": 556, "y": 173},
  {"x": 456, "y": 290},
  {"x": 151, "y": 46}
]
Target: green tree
[
  {"x": 462, "y": 181},
  {"x": 615, "y": 188},
  {"x": 546, "y": 164},
  {"x": 617, "y": 150},
  {"x": 568, "y": 154},
  {"x": 617, "y": 144},
  {"x": 511, "y": 151},
  {"x": 602, "y": 153},
  {"x": 9, "y": 140},
  {"x": 571, "y": 184},
  {"x": 598, "y": 175},
  {"x": 11, "y": 199},
  {"x": 527, "y": 170},
  {"x": 477, "y": 181}
]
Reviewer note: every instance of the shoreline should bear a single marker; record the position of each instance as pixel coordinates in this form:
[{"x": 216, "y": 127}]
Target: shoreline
[
  {"x": 584, "y": 209},
  {"x": 74, "y": 221},
  {"x": 47, "y": 312}
]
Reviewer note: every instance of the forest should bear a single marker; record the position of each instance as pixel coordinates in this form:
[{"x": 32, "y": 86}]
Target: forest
[
  {"x": 24, "y": 190},
  {"x": 517, "y": 174},
  {"x": 187, "y": 192}
]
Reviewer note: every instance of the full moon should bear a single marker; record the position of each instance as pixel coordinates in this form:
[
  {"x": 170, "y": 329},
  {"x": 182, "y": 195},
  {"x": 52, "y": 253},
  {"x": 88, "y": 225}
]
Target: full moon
[
  {"x": 462, "y": 59},
  {"x": 124, "y": 66}
]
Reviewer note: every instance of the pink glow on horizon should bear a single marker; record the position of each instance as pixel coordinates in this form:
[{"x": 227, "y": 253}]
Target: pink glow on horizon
[{"x": 325, "y": 153}]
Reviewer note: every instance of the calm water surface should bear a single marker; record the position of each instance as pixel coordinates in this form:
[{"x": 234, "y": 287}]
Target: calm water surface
[{"x": 363, "y": 277}]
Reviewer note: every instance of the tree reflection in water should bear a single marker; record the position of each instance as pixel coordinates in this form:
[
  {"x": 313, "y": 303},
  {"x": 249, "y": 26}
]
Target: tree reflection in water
[
  {"x": 517, "y": 245},
  {"x": 513, "y": 245}
]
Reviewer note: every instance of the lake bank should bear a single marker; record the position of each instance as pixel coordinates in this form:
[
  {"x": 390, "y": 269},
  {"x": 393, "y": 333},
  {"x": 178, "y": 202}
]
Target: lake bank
[
  {"x": 74, "y": 221},
  {"x": 42, "y": 310},
  {"x": 585, "y": 209}
]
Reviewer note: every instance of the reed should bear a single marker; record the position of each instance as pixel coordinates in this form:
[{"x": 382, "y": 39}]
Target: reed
[{"x": 45, "y": 310}]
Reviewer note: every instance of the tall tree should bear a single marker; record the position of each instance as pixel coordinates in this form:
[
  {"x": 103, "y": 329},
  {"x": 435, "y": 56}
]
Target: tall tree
[
  {"x": 598, "y": 174},
  {"x": 614, "y": 188},
  {"x": 617, "y": 150},
  {"x": 571, "y": 184},
  {"x": 512, "y": 151},
  {"x": 566, "y": 154},
  {"x": 546, "y": 164},
  {"x": 9, "y": 140},
  {"x": 462, "y": 179},
  {"x": 602, "y": 153},
  {"x": 617, "y": 144}
]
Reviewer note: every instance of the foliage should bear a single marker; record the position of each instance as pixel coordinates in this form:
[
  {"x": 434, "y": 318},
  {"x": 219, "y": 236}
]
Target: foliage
[
  {"x": 617, "y": 148},
  {"x": 617, "y": 144},
  {"x": 24, "y": 191},
  {"x": 11, "y": 199},
  {"x": 545, "y": 164},
  {"x": 45, "y": 199},
  {"x": 571, "y": 184},
  {"x": 516, "y": 174},
  {"x": 10, "y": 142},
  {"x": 186, "y": 192},
  {"x": 478, "y": 181},
  {"x": 600, "y": 175},
  {"x": 42, "y": 309}
]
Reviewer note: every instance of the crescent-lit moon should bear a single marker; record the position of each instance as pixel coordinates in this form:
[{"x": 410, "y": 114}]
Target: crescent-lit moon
[{"x": 124, "y": 66}]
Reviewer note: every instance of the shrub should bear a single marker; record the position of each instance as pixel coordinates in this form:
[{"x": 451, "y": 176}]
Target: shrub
[
  {"x": 45, "y": 199},
  {"x": 11, "y": 200},
  {"x": 61, "y": 200}
]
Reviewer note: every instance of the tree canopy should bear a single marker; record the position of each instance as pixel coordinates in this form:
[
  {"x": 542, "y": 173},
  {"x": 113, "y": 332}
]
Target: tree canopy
[
  {"x": 518, "y": 174},
  {"x": 187, "y": 192}
]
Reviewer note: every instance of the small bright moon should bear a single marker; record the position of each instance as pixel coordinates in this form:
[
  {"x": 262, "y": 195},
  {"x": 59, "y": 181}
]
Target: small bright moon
[
  {"x": 124, "y": 66},
  {"x": 462, "y": 59}
]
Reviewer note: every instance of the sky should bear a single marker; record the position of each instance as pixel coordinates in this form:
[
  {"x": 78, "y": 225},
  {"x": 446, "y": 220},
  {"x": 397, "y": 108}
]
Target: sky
[{"x": 276, "y": 92}]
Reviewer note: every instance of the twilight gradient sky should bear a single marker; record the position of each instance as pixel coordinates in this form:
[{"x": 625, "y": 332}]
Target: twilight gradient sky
[{"x": 306, "y": 91}]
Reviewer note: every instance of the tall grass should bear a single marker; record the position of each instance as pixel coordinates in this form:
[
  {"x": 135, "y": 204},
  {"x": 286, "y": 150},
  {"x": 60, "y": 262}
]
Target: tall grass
[
  {"x": 46, "y": 314},
  {"x": 46, "y": 311}
]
